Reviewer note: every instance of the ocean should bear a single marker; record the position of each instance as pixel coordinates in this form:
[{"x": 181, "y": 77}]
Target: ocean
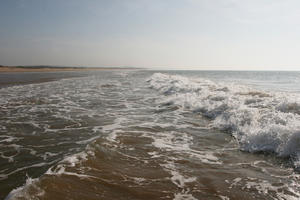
[{"x": 142, "y": 134}]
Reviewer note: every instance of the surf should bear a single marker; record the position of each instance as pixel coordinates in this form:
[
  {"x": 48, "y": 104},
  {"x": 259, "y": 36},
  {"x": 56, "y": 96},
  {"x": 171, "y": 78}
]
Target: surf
[{"x": 261, "y": 121}]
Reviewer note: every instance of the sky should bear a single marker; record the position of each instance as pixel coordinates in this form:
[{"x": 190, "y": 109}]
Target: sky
[{"x": 158, "y": 34}]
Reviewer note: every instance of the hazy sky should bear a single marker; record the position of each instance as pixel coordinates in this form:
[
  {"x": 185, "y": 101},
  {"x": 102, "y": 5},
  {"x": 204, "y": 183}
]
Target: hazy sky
[{"x": 173, "y": 34}]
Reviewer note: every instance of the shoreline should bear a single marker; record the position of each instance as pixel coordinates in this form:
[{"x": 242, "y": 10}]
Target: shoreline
[
  {"x": 12, "y": 69},
  {"x": 8, "y": 79}
]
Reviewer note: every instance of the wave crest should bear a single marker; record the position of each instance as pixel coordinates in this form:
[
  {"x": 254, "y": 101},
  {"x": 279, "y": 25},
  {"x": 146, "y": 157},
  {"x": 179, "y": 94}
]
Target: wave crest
[{"x": 260, "y": 121}]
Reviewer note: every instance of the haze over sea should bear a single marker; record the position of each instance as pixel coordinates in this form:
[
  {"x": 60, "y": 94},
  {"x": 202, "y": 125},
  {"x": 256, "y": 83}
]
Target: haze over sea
[{"x": 141, "y": 134}]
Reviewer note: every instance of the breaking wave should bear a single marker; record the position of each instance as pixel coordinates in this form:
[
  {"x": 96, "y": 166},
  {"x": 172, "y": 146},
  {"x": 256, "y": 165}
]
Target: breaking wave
[{"x": 260, "y": 121}]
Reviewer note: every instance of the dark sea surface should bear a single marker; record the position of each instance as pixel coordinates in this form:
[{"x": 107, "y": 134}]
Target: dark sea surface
[
  {"x": 8, "y": 79},
  {"x": 179, "y": 135}
]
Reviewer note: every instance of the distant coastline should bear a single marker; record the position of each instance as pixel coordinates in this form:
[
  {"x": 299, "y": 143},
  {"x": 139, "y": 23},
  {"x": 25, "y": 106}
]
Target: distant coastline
[{"x": 45, "y": 68}]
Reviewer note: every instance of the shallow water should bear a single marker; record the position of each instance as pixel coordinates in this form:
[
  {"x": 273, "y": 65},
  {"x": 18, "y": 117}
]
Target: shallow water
[
  {"x": 8, "y": 79},
  {"x": 152, "y": 135}
]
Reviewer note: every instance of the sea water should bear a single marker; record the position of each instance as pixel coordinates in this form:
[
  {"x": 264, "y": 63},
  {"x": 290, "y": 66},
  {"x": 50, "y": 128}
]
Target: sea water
[{"x": 152, "y": 135}]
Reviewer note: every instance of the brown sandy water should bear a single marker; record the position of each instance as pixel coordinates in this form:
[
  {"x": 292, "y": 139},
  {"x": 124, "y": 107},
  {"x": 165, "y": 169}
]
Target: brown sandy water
[{"x": 111, "y": 136}]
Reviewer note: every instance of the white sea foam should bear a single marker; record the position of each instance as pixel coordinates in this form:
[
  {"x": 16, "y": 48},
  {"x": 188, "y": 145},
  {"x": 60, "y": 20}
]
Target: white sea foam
[
  {"x": 224, "y": 197},
  {"x": 70, "y": 161},
  {"x": 180, "y": 143},
  {"x": 265, "y": 188},
  {"x": 259, "y": 120},
  {"x": 22, "y": 192},
  {"x": 180, "y": 181},
  {"x": 180, "y": 196},
  {"x": 4, "y": 176},
  {"x": 112, "y": 129}
]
